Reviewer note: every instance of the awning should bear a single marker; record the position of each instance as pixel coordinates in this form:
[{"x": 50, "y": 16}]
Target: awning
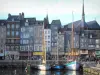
[{"x": 38, "y": 53}]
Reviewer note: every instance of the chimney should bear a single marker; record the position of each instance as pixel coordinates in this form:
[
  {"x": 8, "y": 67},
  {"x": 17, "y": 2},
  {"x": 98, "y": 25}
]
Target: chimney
[{"x": 22, "y": 15}]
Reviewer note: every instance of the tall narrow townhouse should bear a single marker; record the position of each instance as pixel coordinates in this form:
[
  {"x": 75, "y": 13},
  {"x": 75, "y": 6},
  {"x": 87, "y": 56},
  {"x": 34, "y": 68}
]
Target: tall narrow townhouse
[
  {"x": 27, "y": 38},
  {"x": 2, "y": 39},
  {"x": 13, "y": 36}
]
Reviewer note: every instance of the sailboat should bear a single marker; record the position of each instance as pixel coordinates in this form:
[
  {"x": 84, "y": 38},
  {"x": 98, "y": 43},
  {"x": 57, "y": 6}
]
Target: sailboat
[
  {"x": 57, "y": 65},
  {"x": 73, "y": 63},
  {"x": 43, "y": 66}
]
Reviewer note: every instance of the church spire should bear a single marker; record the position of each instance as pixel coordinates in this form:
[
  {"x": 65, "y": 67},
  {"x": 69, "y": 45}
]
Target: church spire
[
  {"x": 47, "y": 18},
  {"x": 83, "y": 14}
]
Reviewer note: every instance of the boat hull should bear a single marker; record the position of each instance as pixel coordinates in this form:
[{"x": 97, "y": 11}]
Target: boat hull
[
  {"x": 73, "y": 65},
  {"x": 43, "y": 67},
  {"x": 57, "y": 67}
]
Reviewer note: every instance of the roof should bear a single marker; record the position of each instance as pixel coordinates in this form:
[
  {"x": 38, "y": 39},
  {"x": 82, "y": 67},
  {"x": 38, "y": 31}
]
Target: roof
[
  {"x": 2, "y": 22},
  {"x": 56, "y": 22},
  {"x": 14, "y": 17},
  {"x": 30, "y": 20},
  {"x": 93, "y": 25},
  {"x": 79, "y": 24}
]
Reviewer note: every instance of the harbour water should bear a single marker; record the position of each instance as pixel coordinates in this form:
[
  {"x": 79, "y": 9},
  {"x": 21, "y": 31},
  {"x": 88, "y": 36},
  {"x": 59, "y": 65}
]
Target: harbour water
[{"x": 20, "y": 71}]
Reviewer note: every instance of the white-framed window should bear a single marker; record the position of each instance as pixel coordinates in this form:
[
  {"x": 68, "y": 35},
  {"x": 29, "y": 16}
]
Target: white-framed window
[{"x": 97, "y": 40}]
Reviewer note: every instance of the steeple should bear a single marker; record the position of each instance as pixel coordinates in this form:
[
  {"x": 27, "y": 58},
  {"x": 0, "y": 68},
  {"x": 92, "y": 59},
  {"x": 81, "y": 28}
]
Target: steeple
[
  {"x": 83, "y": 14},
  {"x": 47, "y": 18}
]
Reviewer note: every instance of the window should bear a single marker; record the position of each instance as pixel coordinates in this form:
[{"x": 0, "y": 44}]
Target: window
[
  {"x": 48, "y": 32},
  {"x": 21, "y": 41},
  {"x": 12, "y": 41},
  {"x": 30, "y": 29},
  {"x": 17, "y": 25},
  {"x": 8, "y": 41},
  {"x": 91, "y": 36},
  {"x": 12, "y": 26},
  {"x": 8, "y": 33},
  {"x": 7, "y": 47},
  {"x": 22, "y": 29},
  {"x": 45, "y": 32},
  {"x": 97, "y": 46},
  {"x": 97, "y": 41},
  {"x": 82, "y": 34},
  {"x": 48, "y": 37},
  {"x": 12, "y": 33},
  {"x": 16, "y": 48},
  {"x": 12, "y": 47},
  {"x": 8, "y": 25},
  {"x": 17, "y": 33},
  {"x": 45, "y": 37}
]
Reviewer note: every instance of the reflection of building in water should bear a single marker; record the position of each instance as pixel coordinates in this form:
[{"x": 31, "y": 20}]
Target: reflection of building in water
[{"x": 73, "y": 73}]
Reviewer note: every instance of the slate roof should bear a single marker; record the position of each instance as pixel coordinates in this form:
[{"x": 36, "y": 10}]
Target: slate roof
[
  {"x": 79, "y": 25},
  {"x": 15, "y": 17},
  {"x": 30, "y": 20},
  {"x": 2, "y": 22},
  {"x": 93, "y": 25},
  {"x": 56, "y": 22}
]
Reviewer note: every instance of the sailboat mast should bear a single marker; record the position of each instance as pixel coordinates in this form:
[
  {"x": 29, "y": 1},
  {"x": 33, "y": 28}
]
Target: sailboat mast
[
  {"x": 57, "y": 49},
  {"x": 72, "y": 35},
  {"x": 44, "y": 49}
]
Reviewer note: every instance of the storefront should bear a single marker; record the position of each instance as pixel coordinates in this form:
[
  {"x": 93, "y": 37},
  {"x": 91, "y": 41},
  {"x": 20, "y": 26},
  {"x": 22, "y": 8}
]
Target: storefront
[
  {"x": 25, "y": 55},
  {"x": 97, "y": 53}
]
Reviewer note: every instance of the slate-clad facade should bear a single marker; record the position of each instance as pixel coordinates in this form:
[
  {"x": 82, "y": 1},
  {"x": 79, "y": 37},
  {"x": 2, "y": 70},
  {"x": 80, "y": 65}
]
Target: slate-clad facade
[
  {"x": 13, "y": 36},
  {"x": 2, "y": 38},
  {"x": 27, "y": 38},
  {"x": 55, "y": 26}
]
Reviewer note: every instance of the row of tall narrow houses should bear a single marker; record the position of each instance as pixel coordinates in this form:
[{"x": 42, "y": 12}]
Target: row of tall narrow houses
[{"x": 24, "y": 38}]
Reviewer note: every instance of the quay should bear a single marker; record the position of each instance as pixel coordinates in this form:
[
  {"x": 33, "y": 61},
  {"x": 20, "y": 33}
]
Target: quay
[
  {"x": 23, "y": 63},
  {"x": 92, "y": 70}
]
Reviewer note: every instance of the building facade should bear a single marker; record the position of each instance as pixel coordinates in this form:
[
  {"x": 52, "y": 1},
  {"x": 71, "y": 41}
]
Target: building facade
[
  {"x": 2, "y": 38},
  {"x": 26, "y": 39},
  {"x": 47, "y": 38},
  {"x": 13, "y": 36},
  {"x": 61, "y": 43}
]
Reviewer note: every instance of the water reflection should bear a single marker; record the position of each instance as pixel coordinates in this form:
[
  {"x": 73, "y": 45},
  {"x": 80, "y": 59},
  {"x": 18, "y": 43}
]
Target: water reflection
[{"x": 36, "y": 72}]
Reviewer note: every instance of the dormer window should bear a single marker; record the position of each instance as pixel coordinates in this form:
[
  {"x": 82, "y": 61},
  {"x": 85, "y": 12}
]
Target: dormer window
[{"x": 12, "y": 19}]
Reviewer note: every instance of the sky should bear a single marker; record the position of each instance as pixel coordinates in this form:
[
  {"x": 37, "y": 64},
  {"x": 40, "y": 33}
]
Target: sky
[{"x": 56, "y": 9}]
